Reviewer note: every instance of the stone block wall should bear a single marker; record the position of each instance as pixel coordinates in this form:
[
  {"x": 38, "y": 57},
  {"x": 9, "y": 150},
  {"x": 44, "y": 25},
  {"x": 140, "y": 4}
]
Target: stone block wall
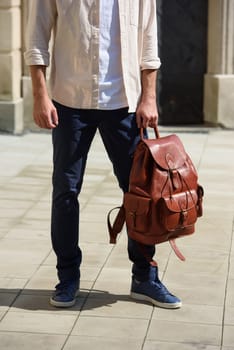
[
  {"x": 11, "y": 102},
  {"x": 219, "y": 80}
]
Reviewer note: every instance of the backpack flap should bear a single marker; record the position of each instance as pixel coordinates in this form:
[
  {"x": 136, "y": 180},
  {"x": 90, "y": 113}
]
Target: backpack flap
[{"x": 168, "y": 152}]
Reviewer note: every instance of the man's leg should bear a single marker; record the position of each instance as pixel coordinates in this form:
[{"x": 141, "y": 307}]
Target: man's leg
[
  {"x": 120, "y": 135},
  {"x": 71, "y": 142}
]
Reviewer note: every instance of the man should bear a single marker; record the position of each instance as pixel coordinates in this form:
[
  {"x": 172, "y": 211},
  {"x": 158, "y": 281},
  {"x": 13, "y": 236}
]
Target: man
[{"x": 103, "y": 77}]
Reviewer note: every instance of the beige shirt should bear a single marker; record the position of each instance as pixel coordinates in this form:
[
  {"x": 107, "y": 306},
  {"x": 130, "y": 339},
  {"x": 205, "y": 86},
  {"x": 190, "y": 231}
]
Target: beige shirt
[{"x": 75, "y": 54}]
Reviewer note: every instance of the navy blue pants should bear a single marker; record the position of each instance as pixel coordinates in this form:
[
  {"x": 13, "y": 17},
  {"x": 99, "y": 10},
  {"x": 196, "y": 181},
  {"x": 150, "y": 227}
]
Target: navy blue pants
[{"x": 72, "y": 139}]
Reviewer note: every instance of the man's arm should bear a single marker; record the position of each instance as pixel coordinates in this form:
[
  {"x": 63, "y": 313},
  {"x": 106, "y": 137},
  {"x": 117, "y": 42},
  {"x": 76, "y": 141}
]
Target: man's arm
[
  {"x": 42, "y": 18},
  {"x": 44, "y": 112},
  {"x": 147, "y": 112}
]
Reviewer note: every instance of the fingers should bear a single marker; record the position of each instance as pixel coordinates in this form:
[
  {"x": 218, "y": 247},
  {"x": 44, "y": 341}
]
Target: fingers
[
  {"x": 45, "y": 121},
  {"x": 139, "y": 121},
  {"x": 54, "y": 117},
  {"x": 45, "y": 116},
  {"x": 144, "y": 121},
  {"x": 152, "y": 123},
  {"x": 147, "y": 115}
]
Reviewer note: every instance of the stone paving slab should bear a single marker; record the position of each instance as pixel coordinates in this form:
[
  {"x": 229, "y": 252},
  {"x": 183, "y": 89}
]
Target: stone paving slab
[{"x": 104, "y": 316}]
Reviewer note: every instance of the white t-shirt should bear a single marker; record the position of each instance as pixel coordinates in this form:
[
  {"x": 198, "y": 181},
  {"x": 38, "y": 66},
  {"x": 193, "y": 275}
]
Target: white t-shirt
[{"x": 111, "y": 87}]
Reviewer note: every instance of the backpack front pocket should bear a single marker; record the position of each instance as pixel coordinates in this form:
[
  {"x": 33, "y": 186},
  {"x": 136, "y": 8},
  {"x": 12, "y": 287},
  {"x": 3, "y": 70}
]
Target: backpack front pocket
[
  {"x": 137, "y": 210},
  {"x": 178, "y": 211}
]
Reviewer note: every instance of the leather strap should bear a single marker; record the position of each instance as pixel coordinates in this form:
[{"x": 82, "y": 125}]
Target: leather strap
[
  {"x": 156, "y": 132},
  {"x": 176, "y": 250},
  {"x": 117, "y": 225}
]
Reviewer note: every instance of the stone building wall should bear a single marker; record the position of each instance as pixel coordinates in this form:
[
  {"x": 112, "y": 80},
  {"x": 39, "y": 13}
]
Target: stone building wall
[
  {"x": 15, "y": 84},
  {"x": 11, "y": 100},
  {"x": 219, "y": 80}
]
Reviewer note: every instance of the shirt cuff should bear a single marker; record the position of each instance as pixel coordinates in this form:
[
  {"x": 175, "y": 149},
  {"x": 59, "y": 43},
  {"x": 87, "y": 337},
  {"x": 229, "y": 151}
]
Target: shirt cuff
[
  {"x": 154, "y": 64},
  {"x": 37, "y": 57}
]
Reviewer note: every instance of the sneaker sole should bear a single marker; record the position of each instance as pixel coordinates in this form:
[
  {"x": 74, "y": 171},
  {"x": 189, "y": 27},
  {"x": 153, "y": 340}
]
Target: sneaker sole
[
  {"x": 142, "y": 297},
  {"x": 62, "y": 303}
]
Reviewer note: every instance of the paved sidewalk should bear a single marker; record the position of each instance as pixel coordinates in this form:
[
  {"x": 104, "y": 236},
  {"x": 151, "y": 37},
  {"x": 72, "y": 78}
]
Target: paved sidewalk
[{"x": 104, "y": 317}]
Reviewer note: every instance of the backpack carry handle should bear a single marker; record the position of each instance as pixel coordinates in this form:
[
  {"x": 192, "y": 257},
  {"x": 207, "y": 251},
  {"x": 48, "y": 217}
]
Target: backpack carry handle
[{"x": 155, "y": 131}]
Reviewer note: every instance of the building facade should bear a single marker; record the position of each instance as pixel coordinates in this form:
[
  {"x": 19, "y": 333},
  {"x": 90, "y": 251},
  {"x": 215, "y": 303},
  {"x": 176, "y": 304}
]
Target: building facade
[{"x": 15, "y": 84}]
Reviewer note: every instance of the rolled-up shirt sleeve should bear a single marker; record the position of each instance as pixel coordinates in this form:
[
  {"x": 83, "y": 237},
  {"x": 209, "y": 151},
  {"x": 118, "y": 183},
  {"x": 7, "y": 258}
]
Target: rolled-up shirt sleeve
[
  {"x": 42, "y": 14},
  {"x": 150, "y": 58}
]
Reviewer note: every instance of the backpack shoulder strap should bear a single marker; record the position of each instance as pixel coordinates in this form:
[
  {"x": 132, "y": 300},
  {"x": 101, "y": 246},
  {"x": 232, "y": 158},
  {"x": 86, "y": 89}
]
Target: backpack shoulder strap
[{"x": 117, "y": 225}]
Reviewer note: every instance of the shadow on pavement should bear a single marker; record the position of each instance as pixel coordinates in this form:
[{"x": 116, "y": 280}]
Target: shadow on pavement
[{"x": 32, "y": 299}]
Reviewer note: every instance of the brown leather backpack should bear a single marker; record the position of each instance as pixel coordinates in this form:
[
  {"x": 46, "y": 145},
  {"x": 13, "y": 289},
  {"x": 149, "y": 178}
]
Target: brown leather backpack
[{"x": 164, "y": 198}]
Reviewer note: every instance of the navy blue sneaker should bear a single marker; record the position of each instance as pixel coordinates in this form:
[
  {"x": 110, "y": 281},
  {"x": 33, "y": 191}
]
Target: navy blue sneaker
[
  {"x": 155, "y": 292},
  {"x": 65, "y": 294}
]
